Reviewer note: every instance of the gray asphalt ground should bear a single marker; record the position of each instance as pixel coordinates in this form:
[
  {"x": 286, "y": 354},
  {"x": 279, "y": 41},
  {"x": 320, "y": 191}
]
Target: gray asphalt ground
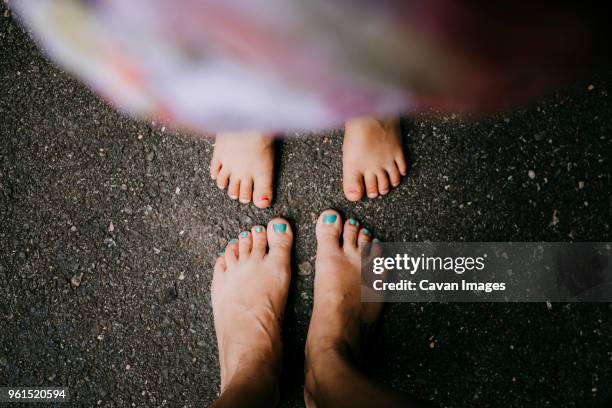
[{"x": 123, "y": 317}]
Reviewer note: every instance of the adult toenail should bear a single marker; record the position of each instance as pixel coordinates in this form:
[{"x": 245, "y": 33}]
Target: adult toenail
[
  {"x": 376, "y": 241},
  {"x": 258, "y": 229},
  {"x": 329, "y": 218},
  {"x": 353, "y": 221},
  {"x": 366, "y": 232},
  {"x": 264, "y": 198},
  {"x": 233, "y": 241},
  {"x": 244, "y": 234},
  {"x": 280, "y": 228}
]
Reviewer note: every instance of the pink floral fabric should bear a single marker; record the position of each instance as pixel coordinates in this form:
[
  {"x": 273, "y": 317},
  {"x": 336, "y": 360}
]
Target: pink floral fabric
[{"x": 232, "y": 65}]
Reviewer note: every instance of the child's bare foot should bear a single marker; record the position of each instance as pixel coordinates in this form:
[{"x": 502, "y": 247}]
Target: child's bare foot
[
  {"x": 372, "y": 151},
  {"x": 249, "y": 291},
  {"x": 244, "y": 164},
  {"x": 339, "y": 317}
]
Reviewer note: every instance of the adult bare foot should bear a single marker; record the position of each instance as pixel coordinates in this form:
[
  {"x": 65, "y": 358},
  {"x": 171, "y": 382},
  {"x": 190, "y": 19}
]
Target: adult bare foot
[
  {"x": 340, "y": 321},
  {"x": 372, "y": 152},
  {"x": 244, "y": 164},
  {"x": 339, "y": 317},
  {"x": 249, "y": 291}
]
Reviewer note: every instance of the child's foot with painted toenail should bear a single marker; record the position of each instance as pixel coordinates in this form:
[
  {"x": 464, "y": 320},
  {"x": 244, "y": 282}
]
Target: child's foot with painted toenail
[
  {"x": 244, "y": 164},
  {"x": 372, "y": 156}
]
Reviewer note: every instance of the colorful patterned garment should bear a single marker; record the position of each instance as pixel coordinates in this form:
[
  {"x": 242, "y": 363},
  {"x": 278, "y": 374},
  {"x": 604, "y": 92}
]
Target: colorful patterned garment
[{"x": 226, "y": 65}]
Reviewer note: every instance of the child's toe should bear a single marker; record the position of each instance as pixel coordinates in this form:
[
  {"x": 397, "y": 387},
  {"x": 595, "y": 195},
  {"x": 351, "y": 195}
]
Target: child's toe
[
  {"x": 234, "y": 188},
  {"x": 262, "y": 193},
  {"x": 215, "y": 167},
  {"x": 246, "y": 190},
  {"x": 394, "y": 174},
  {"x": 400, "y": 160},
  {"x": 352, "y": 185},
  {"x": 383, "y": 182},
  {"x": 223, "y": 178},
  {"x": 371, "y": 183}
]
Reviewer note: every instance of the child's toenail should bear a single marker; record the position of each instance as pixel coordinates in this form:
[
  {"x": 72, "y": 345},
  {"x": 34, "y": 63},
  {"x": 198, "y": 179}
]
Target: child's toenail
[
  {"x": 376, "y": 241},
  {"x": 329, "y": 218},
  {"x": 264, "y": 198},
  {"x": 258, "y": 229},
  {"x": 233, "y": 241},
  {"x": 280, "y": 228},
  {"x": 353, "y": 221},
  {"x": 244, "y": 234},
  {"x": 366, "y": 232}
]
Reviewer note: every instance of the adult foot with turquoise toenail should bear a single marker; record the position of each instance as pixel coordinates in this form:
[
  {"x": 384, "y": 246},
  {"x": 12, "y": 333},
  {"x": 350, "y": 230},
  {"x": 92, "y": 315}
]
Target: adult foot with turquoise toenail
[
  {"x": 338, "y": 314},
  {"x": 249, "y": 292}
]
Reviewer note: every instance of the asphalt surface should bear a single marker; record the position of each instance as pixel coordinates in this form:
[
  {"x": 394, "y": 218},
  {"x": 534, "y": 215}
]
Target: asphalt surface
[{"x": 122, "y": 315}]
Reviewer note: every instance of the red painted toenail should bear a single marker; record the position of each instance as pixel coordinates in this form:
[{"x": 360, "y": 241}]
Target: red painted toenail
[{"x": 264, "y": 198}]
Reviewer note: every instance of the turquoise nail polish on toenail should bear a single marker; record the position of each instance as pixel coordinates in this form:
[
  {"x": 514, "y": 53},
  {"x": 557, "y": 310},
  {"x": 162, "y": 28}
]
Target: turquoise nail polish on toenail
[
  {"x": 329, "y": 219},
  {"x": 353, "y": 221},
  {"x": 221, "y": 253},
  {"x": 244, "y": 234},
  {"x": 233, "y": 241},
  {"x": 258, "y": 229},
  {"x": 366, "y": 232},
  {"x": 280, "y": 228},
  {"x": 376, "y": 241}
]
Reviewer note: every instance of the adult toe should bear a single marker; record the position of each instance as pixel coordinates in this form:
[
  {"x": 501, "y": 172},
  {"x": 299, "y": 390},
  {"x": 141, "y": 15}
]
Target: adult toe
[
  {"x": 329, "y": 227},
  {"x": 260, "y": 241},
  {"x": 280, "y": 239},
  {"x": 349, "y": 233},
  {"x": 245, "y": 244},
  {"x": 364, "y": 238}
]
